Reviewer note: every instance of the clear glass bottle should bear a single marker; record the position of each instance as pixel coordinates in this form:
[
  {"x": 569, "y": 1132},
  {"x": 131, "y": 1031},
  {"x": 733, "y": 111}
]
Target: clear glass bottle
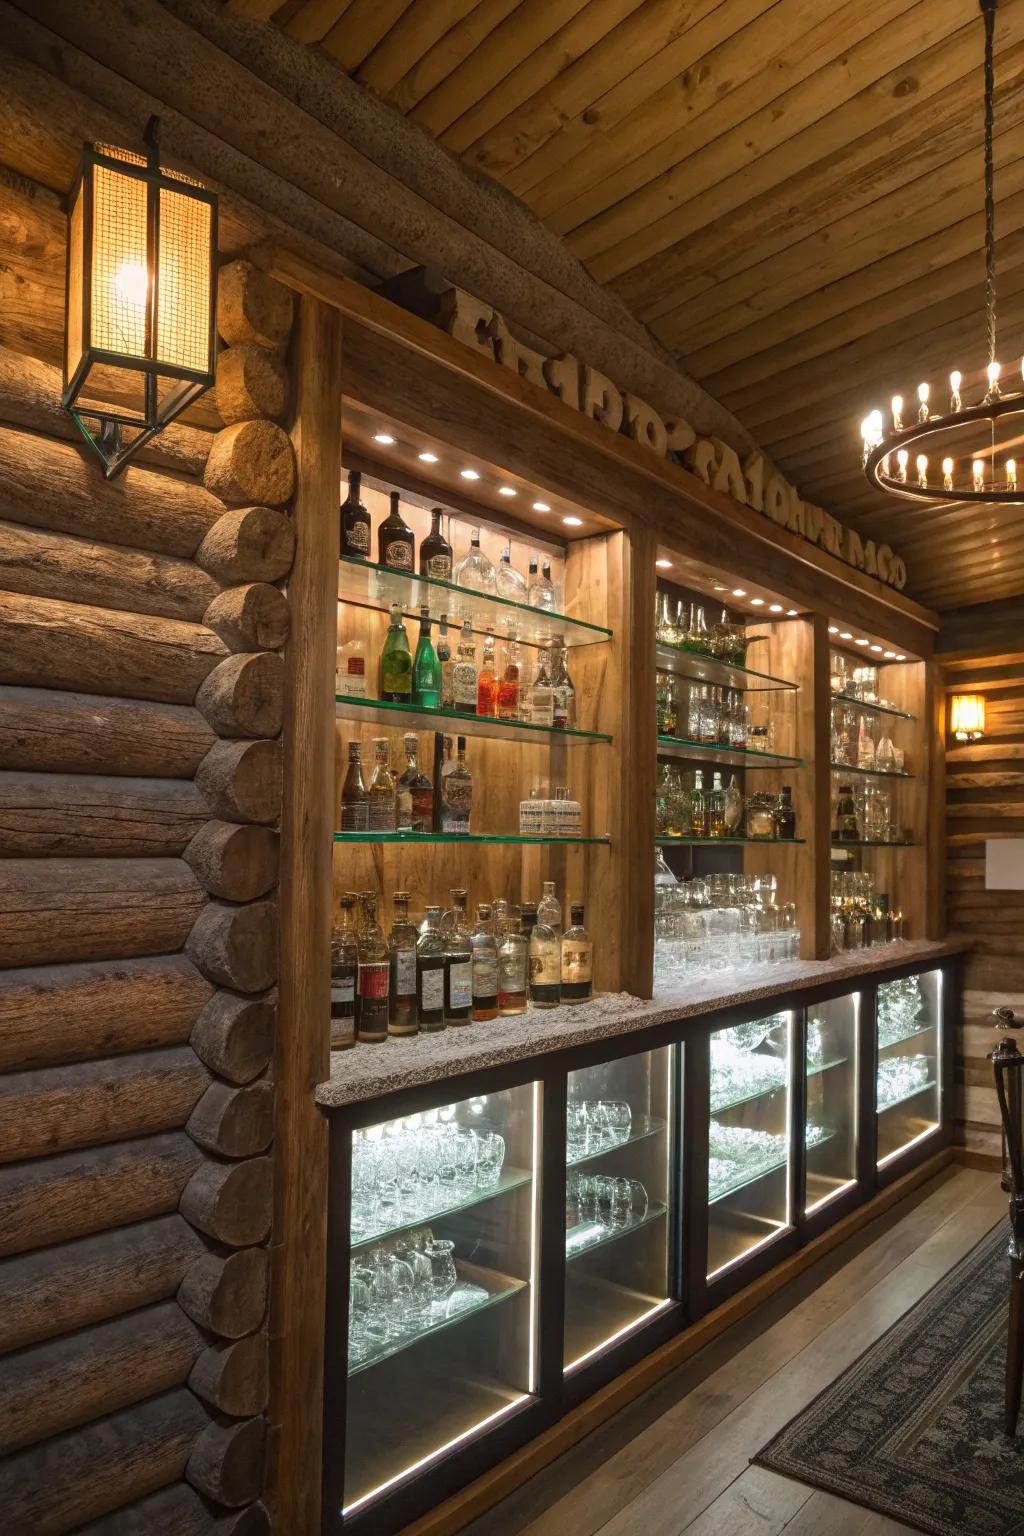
[
  {"x": 355, "y": 522},
  {"x": 739, "y": 718},
  {"x": 577, "y": 960},
  {"x": 485, "y": 966},
  {"x": 350, "y": 676},
  {"x": 715, "y": 808},
  {"x": 430, "y": 967},
  {"x": 542, "y": 700},
  {"x": 396, "y": 543},
  {"x": 474, "y": 571},
  {"x": 344, "y": 975},
  {"x": 457, "y": 790},
  {"x": 665, "y": 699},
  {"x": 513, "y": 966},
  {"x": 549, "y": 908},
  {"x": 464, "y": 675},
  {"x": 547, "y": 576},
  {"x": 541, "y": 591},
  {"x": 785, "y": 815},
  {"x": 447, "y": 665},
  {"x": 435, "y": 551},
  {"x": 374, "y": 976},
  {"x": 426, "y": 669},
  {"x": 508, "y": 687},
  {"x": 414, "y": 793},
  {"x": 733, "y": 808},
  {"x": 396, "y": 662},
  {"x": 458, "y": 965},
  {"x": 697, "y": 637},
  {"x": 545, "y": 965},
  {"x": 510, "y": 583},
  {"x": 487, "y": 682},
  {"x": 402, "y": 953},
  {"x": 355, "y": 804},
  {"x": 698, "y": 807},
  {"x": 563, "y": 691},
  {"x": 381, "y": 793}
]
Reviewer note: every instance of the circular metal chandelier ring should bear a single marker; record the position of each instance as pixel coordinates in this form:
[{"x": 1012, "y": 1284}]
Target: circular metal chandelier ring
[{"x": 935, "y": 426}]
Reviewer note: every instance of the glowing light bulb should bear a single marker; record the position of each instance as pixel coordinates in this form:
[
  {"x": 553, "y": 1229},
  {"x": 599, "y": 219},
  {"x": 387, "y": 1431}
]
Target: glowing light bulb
[
  {"x": 902, "y": 460},
  {"x": 131, "y": 283},
  {"x": 978, "y": 474},
  {"x": 1011, "y": 474},
  {"x": 993, "y": 381},
  {"x": 922, "y": 471},
  {"x": 922, "y": 395},
  {"x": 947, "y": 474},
  {"x": 897, "y": 413},
  {"x": 955, "y": 403}
]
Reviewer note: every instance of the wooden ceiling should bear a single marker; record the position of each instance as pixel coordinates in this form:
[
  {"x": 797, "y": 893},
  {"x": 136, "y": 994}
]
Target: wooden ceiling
[{"x": 787, "y": 192}]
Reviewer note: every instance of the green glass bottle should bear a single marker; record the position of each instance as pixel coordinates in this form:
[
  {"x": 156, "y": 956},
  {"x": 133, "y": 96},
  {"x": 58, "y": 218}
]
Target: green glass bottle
[
  {"x": 396, "y": 662},
  {"x": 426, "y": 669}
]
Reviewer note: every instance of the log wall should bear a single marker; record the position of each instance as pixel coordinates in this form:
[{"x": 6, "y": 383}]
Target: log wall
[{"x": 141, "y": 706}]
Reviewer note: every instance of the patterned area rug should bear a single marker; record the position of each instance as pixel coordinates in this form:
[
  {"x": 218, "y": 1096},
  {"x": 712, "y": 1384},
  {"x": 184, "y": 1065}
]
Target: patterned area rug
[{"x": 914, "y": 1429}]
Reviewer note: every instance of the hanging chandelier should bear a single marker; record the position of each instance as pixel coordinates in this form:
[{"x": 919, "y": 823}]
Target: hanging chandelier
[{"x": 952, "y": 455}]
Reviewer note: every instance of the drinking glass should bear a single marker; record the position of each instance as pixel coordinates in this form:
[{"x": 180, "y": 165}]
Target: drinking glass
[
  {"x": 620, "y": 1119},
  {"x": 490, "y": 1156},
  {"x": 465, "y": 1161},
  {"x": 441, "y": 1252}
]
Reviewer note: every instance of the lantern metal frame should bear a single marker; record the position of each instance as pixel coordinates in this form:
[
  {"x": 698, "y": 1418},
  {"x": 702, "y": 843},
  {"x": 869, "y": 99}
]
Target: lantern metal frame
[{"x": 153, "y": 415}]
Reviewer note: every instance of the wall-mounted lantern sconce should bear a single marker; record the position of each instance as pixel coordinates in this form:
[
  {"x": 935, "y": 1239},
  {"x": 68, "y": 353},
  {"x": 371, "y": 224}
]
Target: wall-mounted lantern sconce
[
  {"x": 140, "y": 328},
  {"x": 967, "y": 716}
]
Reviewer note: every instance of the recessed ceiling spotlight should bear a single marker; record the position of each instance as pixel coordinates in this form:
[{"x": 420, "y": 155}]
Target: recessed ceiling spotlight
[
  {"x": 890, "y": 656},
  {"x": 383, "y": 437},
  {"x": 757, "y": 602},
  {"x": 845, "y": 635},
  {"x": 428, "y": 458},
  {"x": 901, "y": 658},
  {"x": 469, "y": 474},
  {"x": 833, "y": 629},
  {"x": 860, "y": 642},
  {"x": 663, "y": 565},
  {"x": 774, "y": 607},
  {"x": 573, "y": 522},
  {"x": 541, "y": 506},
  {"x": 738, "y": 592},
  {"x": 791, "y": 613},
  {"x": 506, "y": 490},
  {"x": 877, "y": 648},
  {"x": 719, "y": 588}
]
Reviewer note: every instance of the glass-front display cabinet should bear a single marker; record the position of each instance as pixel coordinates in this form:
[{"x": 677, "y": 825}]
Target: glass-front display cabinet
[
  {"x": 908, "y": 1091},
  {"x": 832, "y": 1102},
  {"x": 619, "y": 1186}
]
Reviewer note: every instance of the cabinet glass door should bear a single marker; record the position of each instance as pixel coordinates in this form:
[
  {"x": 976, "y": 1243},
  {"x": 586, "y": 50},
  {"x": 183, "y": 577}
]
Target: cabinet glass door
[
  {"x": 909, "y": 1021},
  {"x": 830, "y": 1132},
  {"x": 442, "y": 1326},
  {"x": 749, "y": 1138},
  {"x": 617, "y": 1198}
]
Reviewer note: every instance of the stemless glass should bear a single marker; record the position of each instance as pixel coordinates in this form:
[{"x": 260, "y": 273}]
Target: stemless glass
[
  {"x": 620, "y": 1120},
  {"x": 441, "y": 1253},
  {"x": 465, "y": 1162},
  {"x": 490, "y": 1156}
]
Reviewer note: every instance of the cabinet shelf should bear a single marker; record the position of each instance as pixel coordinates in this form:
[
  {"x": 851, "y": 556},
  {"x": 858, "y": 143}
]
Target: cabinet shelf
[
  {"x": 424, "y": 717},
  {"x": 466, "y": 837},
  {"x": 871, "y": 842},
  {"x": 498, "y": 1288},
  {"x": 510, "y": 1178},
  {"x": 755, "y": 1175},
  {"x": 912, "y": 1034},
  {"x": 369, "y": 585},
  {"x": 904, "y": 1098},
  {"x": 728, "y": 842},
  {"x": 722, "y": 674},
  {"x": 739, "y": 757},
  {"x": 814, "y": 1069},
  {"x": 871, "y": 709},
  {"x": 605, "y": 1235},
  {"x": 870, "y": 773},
  {"x": 642, "y": 1127}
]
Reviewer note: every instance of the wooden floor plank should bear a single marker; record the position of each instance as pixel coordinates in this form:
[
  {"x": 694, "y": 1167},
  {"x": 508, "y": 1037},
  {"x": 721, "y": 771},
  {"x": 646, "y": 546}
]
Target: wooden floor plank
[
  {"x": 758, "y": 1503},
  {"x": 826, "y": 1512}
]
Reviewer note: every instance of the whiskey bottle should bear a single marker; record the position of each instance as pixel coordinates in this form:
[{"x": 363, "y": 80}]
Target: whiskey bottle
[
  {"x": 464, "y": 677},
  {"x": 545, "y": 966},
  {"x": 355, "y": 804},
  {"x": 487, "y": 682},
  {"x": 458, "y": 965},
  {"x": 435, "y": 551},
  {"x": 513, "y": 967},
  {"x": 355, "y": 522},
  {"x": 402, "y": 959},
  {"x": 715, "y": 808},
  {"x": 474, "y": 571},
  {"x": 563, "y": 695},
  {"x": 542, "y": 702},
  {"x": 396, "y": 662},
  {"x": 381, "y": 793},
  {"x": 785, "y": 815},
  {"x": 415, "y": 793},
  {"x": 549, "y": 909},
  {"x": 846, "y": 827},
  {"x": 509, "y": 583},
  {"x": 430, "y": 972},
  {"x": 508, "y": 687},
  {"x": 698, "y": 807},
  {"x": 426, "y": 669},
  {"x": 665, "y": 698},
  {"x": 444, "y": 661},
  {"x": 577, "y": 960},
  {"x": 350, "y": 676},
  {"x": 396, "y": 545},
  {"x": 373, "y": 976},
  {"x": 444, "y": 762},
  {"x": 344, "y": 973},
  {"x": 485, "y": 966},
  {"x": 457, "y": 793}
]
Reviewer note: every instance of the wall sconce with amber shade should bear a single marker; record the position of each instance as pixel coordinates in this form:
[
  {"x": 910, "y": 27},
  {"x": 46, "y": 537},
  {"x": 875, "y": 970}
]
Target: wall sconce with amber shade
[
  {"x": 140, "y": 333},
  {"x": 967, "y": 716}
]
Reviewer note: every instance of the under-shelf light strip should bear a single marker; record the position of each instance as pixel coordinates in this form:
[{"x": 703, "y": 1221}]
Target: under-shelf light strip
[
  {"x": 755, "y": 602},
  {"x": 878, "y": 650}
]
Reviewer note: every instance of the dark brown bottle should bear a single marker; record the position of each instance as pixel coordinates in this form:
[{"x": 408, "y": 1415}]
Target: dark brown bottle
[
  {"x": 435, "y": 551},
  {"x": 396, "y": 546},
  {"x": 784, "y": 815},
  {"x": 355, "y": 522}
]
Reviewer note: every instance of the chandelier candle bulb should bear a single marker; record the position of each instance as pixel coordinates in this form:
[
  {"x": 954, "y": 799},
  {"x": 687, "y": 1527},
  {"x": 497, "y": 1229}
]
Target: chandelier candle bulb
[
  {"x": 947, "y": 474},
  {"x": 922, "y": 395},
  {"x": 978, "y": 474},
  {"x": 902, "y": 460},
  {"x": 897, "y": 413},
  {"x": 1011, "y": 474},
  {"x": 993, "y": 381},
  {"x": 922, "y": 470},
  {"x": 955, "y": 402}
]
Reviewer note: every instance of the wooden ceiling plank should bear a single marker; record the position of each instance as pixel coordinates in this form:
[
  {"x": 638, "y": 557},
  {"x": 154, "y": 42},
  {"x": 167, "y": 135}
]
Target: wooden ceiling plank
[
  {"x": 360, "y": 29},
  {"x": 448, "y": 52},
  {"x": 468, "y": 135},
  {"x": 313, "y": 20},
  {"x": 420, "y": 29},
  {"x": 530, "y": 24},
  {"x": 253, "y": 10}
]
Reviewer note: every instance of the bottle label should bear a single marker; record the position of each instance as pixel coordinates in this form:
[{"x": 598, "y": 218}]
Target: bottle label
[
  {"x": 560, "y": 710},
  {"x": 343, "y": 996},
  {"x": 381, "y": 816},
  {"x": 577, "y": 962},
  {"x": 403, "y": 809},
  {"x": 431, "y": 990},
  {"x": 405, "y": 973},
  {"x": 422, "y": 808},
  {"x": 460, "y": 984},
  {"x": 357, "y": 535},
  {"x": 464, "y": 684},
  {"x": 373, "y": 998},
  {"x": 355, "y": 816},
  {"x": 512, "y": 970},
  {"x": 544, "y": 968},
  {"x": 354, "y": 680},
  {"x": 485, "y": 976},
  {"x": 439, "y": 566},
  {"x": 542, "y": 707},
  {"x": 398, "y": 554}
]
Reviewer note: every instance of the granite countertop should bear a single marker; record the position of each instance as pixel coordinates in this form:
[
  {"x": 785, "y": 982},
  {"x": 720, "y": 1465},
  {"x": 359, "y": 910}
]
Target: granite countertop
[{"x": 370, "y": 1072}]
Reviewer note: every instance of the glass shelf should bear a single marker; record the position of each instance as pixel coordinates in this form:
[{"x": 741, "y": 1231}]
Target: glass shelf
[
  {"x": 905, "y": 1098},
  {"x": 868, "y": 842},
  {"x": 756, "y": 1174},
  {"x": 605, "y": 1235},
  {"x": 871, "y": 709},
  {"x": 922, "y": 1029},
  {"x": 728, "y": 842},
  {"x": 813, "y": 1070},
  {"x": 871, "y": 773},
  {"x": 741, "y": 757},
  {"x": 641, "y": 1127},
  {"x": 500, "y": 1288},
  {"x": 463, "y": 837},
  {"x": 376, "y": 586},
  {"x": 723, "y": 674},
  {"x": 424, "y": 717},
  {"x": 510, "y": 1178}
]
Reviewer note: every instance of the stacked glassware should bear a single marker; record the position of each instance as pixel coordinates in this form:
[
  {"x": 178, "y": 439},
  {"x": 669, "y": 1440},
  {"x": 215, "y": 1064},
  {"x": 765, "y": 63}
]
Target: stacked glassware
[
  {"x": 411, "y": 1169},
  {"x": 901, "y": 1011},
  {"x": 724, "y": 923},
  {"x": 597, "y": 1205},
  {"x": 900, "y": 1077},
  {"x": 861, "y": 915},
  {"x": 738, "y": 1154},
  {"x": 400, "y": 1291}
]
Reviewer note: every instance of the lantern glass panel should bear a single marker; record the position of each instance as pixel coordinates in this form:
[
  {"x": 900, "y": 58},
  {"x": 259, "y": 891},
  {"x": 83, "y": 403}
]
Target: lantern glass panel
[
  {"x": 183, "y": 282},
  {"x": 76, "y": 247},
  {"x": 120, "y": 272}
]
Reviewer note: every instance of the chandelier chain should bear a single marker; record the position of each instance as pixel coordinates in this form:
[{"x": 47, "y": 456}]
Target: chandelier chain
[{"x": 989, "y": 13}]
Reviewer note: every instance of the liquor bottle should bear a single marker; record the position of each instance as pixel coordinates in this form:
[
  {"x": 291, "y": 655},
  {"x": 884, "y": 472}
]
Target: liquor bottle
[
  {"x": 733, "y": 808},
  {"x": 846, "y": 827},
  {"x": 402, "y": 953},
  {"x": 435, "y": 551},
  {"x": 487, "y": 683},
  {"x": 785, "y": 815},
  {"x": 541, "y": 591},
  {"x": 430, "y": 972},
  {"x": 542, "y": 702},
  {"x": 458, "y": 965},
  {"x": 532, "y": 577},
  {"x": 396, "y": 662},
  {"x": 513, "y": 967},
  {"x": 485, "y": 966},
  {"x": 698, "y": 807},
  {"x": 715, "y": 807},
  {"x": 499, "y": 916},
  {"x": 444, "y": 661},
  {"x": 396, "y": 544},
  {"x": 464, "y": 676},
  {"x": 509, "y": 582},
  {"x": 355, "y": 804},
  {"x": 426, "y": 669},
  {"x": 508, "y": 687},
  {"x": 415, "y": 788},
  {"x": 381, "y": 793},
  {"x": 355, "y": 522},
  {"x": 545, "y": 966},
  {"x": 457, "y": 792},
  {"x": 549, "y": 909},
  {"x": 350, "y": 676},
  {"x": 443, "y": 765},
  {"x": 563, "y": 698},
  {"x": 665, "y": 699},
  {"x": 373, "y": 977},
  {"x": 474, "y": 570},
  {"x": 344, "y": 974},
  {"x": 577, "y": 960}
]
